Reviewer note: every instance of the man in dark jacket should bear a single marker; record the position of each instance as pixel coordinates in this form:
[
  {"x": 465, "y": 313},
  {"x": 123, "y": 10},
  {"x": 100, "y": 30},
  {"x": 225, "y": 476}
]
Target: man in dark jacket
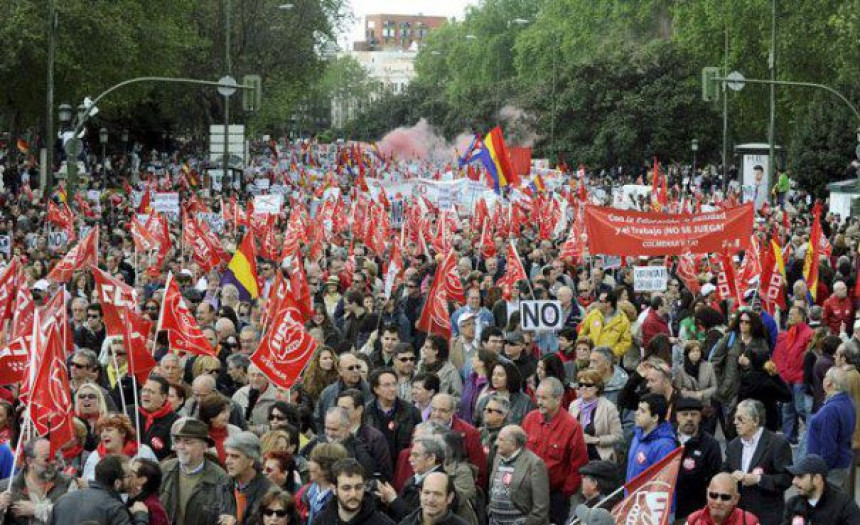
[
  {"x": 701, "y": 460},
  {"x": 349, "y": 376},
  {"x": 155, "y": 416},
  {"x": 818, "y": 501},
  {"x": 757, "y": 460},
  {"x": 437, "y": 501},
  {"x": 337, "y": 430},
  {"x": 100, "y": 502},
  {"x": 387, "y": 413},
  {"x": 353, "y": 402},
  {"x": 352, "y": 505},
  {"x": 93, "y": 333},
  {"x": 35, "y": 488},
  {"x": 239, "y": 500},
  {"x": 198, "y": 503}
]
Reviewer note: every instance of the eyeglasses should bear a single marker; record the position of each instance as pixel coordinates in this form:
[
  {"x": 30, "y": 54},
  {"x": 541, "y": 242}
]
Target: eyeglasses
[
  {"x": 120, "y": 354},
  {"x": 719, "y": 496},
  {"x": 281, "y": 513},
  {"x": 86, "y": 396},
  {"x": 406, "y": 359},
  {"x": 412, "y": 286},
  {"x": 586, "y": 385},
  {"x": 745, "y": 321},
  {"x": 277, "y": 417},
  {"x": 493, "y": 410},
  {"x": 93, "y": 316},
  {"x": 353, "y": 368},
  {"x": 79, "y": 365}
]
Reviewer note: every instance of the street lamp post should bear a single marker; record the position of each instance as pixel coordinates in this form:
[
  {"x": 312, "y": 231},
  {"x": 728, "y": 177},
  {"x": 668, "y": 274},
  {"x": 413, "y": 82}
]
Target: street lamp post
[
  {"x": 694, "y": 146},
  {"x": 103, "y": 139}
]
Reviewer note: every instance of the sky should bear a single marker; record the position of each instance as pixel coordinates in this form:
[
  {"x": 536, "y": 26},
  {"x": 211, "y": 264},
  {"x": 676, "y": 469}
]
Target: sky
[{"x": 360, "y": 8}]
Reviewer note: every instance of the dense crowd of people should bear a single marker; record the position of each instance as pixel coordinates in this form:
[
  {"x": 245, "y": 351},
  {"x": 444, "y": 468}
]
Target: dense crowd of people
[{"x": 388, "y": 424}]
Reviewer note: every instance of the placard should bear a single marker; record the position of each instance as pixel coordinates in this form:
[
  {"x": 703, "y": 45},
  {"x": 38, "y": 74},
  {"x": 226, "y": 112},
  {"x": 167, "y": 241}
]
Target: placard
[
  {"x": 57, "y": 240},
  {"x": 263, "y": 184},
  {"x": 541, "y": 315},
  {"x": 165, "y": 202},
  {"x": 214, "y": 220},
  {"x": 6, "y": 244},
  {"x": 268, "y": 204},
  {"x": 650, "y": 278}
]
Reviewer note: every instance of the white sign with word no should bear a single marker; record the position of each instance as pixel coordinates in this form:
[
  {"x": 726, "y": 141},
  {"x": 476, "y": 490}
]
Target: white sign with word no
[
  {"x": 650, "y": 278},
  {"x": 541, "y": 315},
  {"x": 57, "y": 239}
]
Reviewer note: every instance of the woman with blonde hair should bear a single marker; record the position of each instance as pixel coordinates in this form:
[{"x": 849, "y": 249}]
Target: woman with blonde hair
[
  {"x": 206, "y": 364},
  {"x": 90, "y": 406},
  {"x": 601, "y": 424}
]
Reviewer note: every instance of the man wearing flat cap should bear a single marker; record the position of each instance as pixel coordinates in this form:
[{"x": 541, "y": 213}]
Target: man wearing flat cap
[
  {"x": 599, "y": 480},
  {"x": 240, "y": 498},
  {"x": 817, "y": 501},
  {"x": 190, "y": 485},
  {"x": 701, "y": 460}
]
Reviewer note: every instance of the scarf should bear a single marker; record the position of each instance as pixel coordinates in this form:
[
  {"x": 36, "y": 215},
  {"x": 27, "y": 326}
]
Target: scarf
[
  {"x": 691, "y": 368},
  {"x": 129, "y": 449},
  {"x": 586, "y": 412},
  {"x": 165, "y": 410},
  {"x": 219, "y": 435},
  {"x": 71, "y": 453}
]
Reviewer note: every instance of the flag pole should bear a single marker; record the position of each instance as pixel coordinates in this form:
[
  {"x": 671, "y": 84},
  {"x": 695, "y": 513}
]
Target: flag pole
[
  {"x": 161, "y": 313},
  {"x": 112, "y": 354},
  {"x": 599, "y": 504},
  {"x": 21, "y": 435}
]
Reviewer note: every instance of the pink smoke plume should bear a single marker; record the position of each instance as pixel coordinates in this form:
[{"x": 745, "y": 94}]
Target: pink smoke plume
[{"x": 421, "y": 142}]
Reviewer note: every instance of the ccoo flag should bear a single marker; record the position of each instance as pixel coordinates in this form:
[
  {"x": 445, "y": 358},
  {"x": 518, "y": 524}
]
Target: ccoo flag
[{"x": 242, "y": 270}]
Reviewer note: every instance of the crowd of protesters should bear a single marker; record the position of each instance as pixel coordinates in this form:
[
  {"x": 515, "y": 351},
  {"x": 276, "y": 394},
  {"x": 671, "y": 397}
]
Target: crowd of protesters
[{"x": 496, "y": 424}]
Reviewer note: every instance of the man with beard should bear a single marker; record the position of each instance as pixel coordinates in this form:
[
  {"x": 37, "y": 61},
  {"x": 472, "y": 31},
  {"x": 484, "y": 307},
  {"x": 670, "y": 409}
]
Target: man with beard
[
  {"x": 190, "y": 485},
  {"x": 352, "y": 505},
  {"x": 818, "y": 501},
  {"x": 101, "y": 502},
  {"x": 701, "y": 460},
  {"x": 35, "y": 488}
]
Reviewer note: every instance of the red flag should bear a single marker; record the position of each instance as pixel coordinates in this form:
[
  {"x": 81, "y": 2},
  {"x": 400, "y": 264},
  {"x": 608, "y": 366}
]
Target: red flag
[
  {"x": 514, "y": 267},
  {"x": 650, "y": 494},
  {"x": 14, "y": 358},
  {"x": 286, "y": 348},
  {"x": 183, "y": 332},
  {"x": 395, "y": 266},
  {"x": 22, "y": 315},
  {"x": 143, "y": 239},
  {"x": 55, "y": 311},
  {"x": 299, "y": 289},
  {"x": 451, "y": 284},
  {"x": 727, "y": 285},
  {"x": 116, "y": 297},
  {"x": 63, "y": 217},
  {"x": 136, "y": 329},
  {"x": 203, "y": 251},
  {"x": 82, "y": 255},
  {"x": 435, "y": 318},
  {"x": 687, "y": 273},
  {"x": 771, "y": 283},
  {"x": 488, "y": 246},
  {"x": 144, "y": 202},
  {"x": 51, "y": 405},
  {"x": 8, "y": 285}
]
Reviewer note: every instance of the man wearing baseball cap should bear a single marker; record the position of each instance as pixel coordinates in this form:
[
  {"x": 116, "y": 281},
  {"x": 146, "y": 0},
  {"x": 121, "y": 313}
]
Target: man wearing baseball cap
[
  {"x": 818, "y": 501},
  {"x": 189, "y": 490}
]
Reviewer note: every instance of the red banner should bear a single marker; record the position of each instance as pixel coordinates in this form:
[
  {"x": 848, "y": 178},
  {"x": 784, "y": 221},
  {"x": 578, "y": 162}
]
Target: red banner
[
  {"x": 623, "y": 232},
  {"x": 286, "y": 348},
  {"x": 650, "y": 494}
]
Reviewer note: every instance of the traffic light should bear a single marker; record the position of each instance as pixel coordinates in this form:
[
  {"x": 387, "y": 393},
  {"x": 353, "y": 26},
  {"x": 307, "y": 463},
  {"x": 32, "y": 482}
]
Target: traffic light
[
  {"x": 251, "y": 98},
  {"x": 710, "y": 84}
]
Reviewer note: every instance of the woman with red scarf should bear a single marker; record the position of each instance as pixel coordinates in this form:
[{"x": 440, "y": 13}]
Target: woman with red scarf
[
  {"x": 116, "y": 436},
  {"x": 215, "y": 412}
]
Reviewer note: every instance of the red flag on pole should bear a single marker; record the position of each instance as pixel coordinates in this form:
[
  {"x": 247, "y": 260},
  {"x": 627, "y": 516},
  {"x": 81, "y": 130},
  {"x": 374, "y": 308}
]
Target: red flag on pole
[
  {"x": 9, "y": 279},
  {"x": 650, "y": 494},
  {"x": 286, "y": 348},
  {"x": 299, "y": 289},
  {"x": 435, "y": 318},
  {"x": 136, "y": 329},
  {"x": 115, "y": 297},
  {"x": 51, "y": 405},
  {"x": 62, "y": 216},
  {"x": 451, "y": 284},
  {"x": 183, "y": 332},
  {"x": 82, "y": 255}
]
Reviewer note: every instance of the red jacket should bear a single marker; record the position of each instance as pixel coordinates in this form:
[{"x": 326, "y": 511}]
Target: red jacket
[
  {"x": 788, "y": 352},
  {"x": 703, "y": 517},
  {"x": 561, "y": 445},
  {"x": 474, "y": 454},
  {"x": 837, "y": 311},
  {"x": 653, "y": 325}
]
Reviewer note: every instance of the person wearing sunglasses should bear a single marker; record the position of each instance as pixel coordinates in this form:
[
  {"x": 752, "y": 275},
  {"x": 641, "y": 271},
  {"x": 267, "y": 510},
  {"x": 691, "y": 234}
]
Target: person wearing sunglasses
[
  {"x": 599, "y": 418},
  {"x": 278, "y": 508},
  {"x": 92, "y": 334},
  {"x": 722, "y": 506}
]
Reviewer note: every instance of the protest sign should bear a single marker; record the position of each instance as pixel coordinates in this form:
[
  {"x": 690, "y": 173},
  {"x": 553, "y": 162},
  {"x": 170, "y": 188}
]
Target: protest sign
[
  {"x": 650, "y": 278},
  {"x": 268, "y": 204},
  {"x": 623, "y": 232},
  {"x": 57, "y": 240},
  {"x": 541, "y": 315},
  {"x": 214, "y": 220},
  {"x": 165, "y": 202},
  {"x": 5, "y": 244}
]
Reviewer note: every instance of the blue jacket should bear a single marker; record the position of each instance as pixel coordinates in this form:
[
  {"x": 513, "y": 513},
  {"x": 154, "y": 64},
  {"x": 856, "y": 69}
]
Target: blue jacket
[
  {"x": 771, "y": 327},
  {"x": 649, "y": 449},
  {"x": 830, "y": 431},
  {"x": 7, "y": 458}
]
